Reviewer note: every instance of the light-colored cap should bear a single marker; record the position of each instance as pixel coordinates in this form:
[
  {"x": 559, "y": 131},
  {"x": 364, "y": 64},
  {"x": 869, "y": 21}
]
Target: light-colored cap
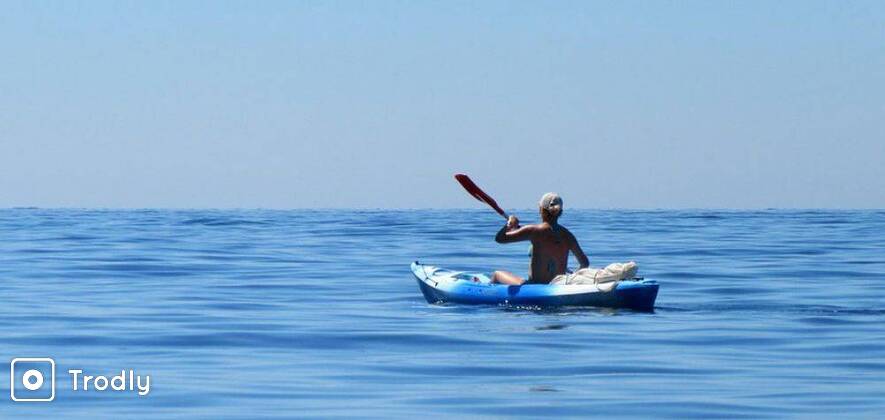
[{"x": 550, "y": 201}]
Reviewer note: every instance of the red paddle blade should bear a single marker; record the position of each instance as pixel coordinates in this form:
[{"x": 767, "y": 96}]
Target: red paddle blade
[
  {"x": 471, "y": 188},
  {"x": 477, "y": 193}
]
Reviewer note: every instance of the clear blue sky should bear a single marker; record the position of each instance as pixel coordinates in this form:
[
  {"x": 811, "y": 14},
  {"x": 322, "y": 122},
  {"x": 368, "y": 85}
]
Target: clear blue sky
[{"x": 376, "y": 104}]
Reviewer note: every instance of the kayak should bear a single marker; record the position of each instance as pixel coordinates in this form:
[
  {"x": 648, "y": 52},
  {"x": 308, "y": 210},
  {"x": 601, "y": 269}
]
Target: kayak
[{"x": 440, "y": 285}]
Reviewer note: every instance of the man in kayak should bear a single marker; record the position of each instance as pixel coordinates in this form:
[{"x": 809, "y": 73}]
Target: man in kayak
[{"x": 551, "y": 243}]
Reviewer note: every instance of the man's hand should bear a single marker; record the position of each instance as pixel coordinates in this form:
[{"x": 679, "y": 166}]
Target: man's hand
[{"x": 512, "y": 232}]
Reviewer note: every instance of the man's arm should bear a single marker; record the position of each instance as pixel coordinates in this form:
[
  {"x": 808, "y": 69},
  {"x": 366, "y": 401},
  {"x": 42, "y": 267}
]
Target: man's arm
[
  {"x": 511, "y": 232},
  {"x": 576, "y": 249}
]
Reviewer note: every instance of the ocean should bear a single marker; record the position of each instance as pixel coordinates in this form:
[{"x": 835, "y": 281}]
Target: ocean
[{"x": 314, "y": 313}]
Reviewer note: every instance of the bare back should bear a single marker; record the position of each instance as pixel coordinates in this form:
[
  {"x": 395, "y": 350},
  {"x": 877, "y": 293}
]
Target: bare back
[
  {"x": 551, "y": 244},
  {"x": 550, "y": 248}
]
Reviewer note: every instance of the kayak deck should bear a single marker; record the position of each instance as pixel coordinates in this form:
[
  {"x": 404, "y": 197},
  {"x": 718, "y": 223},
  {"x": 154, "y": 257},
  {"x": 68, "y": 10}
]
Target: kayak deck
[{"x": 439, "y": 285}]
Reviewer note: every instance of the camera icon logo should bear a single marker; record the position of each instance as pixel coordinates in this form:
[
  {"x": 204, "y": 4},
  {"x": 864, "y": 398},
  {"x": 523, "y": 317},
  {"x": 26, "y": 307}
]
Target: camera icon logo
[{"x": 28, "y": 379}]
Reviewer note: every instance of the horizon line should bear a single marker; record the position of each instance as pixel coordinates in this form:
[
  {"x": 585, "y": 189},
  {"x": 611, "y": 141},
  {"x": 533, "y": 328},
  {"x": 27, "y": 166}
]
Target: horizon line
[{"x": 524, "y": 209}]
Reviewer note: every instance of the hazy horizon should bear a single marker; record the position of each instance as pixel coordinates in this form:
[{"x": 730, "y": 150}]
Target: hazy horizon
[
  {"x": 293, "y": 105},
  {"x": 521, "y": 212}
]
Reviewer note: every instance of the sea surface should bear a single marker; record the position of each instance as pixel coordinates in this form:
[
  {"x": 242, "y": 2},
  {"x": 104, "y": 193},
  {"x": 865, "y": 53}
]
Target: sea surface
[{"x": 314, "y": 313}]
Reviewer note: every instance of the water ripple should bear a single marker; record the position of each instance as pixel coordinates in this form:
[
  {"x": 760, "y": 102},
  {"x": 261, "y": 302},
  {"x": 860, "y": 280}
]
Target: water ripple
[{"x": 265, "y": 313}]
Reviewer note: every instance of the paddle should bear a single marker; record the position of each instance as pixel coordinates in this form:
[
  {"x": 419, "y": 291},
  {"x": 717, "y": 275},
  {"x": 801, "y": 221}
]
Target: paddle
[{"x": 478, "y": 194}]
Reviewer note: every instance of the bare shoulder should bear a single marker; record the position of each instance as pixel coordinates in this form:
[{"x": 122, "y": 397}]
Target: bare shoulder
[
  {"x": 569, "y": 235},
  {"x": 533, "y": 227},
  {"x": 532, "y": 230}
]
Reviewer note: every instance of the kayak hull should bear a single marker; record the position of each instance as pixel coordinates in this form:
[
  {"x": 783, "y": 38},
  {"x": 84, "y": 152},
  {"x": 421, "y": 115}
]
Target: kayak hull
[{"x": 439, "y": 285}]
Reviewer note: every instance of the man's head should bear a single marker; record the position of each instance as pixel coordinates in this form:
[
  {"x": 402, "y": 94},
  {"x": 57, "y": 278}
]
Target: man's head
[{"x": 551, "y": 207}]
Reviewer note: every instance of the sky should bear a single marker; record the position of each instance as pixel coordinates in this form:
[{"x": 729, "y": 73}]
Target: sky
[{"x": 376, "y": 104}]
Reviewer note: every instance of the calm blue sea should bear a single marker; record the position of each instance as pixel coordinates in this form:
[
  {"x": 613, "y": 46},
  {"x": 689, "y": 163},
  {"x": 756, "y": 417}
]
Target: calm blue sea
[{"x": 254, "y": 313}]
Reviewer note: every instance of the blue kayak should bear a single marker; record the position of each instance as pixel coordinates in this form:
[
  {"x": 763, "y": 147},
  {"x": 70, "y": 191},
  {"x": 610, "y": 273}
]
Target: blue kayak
[{"x": 440, "y": 285}]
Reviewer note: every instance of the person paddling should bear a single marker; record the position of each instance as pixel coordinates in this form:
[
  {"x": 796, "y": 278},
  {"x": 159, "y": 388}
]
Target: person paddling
[{"x": 551, "y": 244}]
